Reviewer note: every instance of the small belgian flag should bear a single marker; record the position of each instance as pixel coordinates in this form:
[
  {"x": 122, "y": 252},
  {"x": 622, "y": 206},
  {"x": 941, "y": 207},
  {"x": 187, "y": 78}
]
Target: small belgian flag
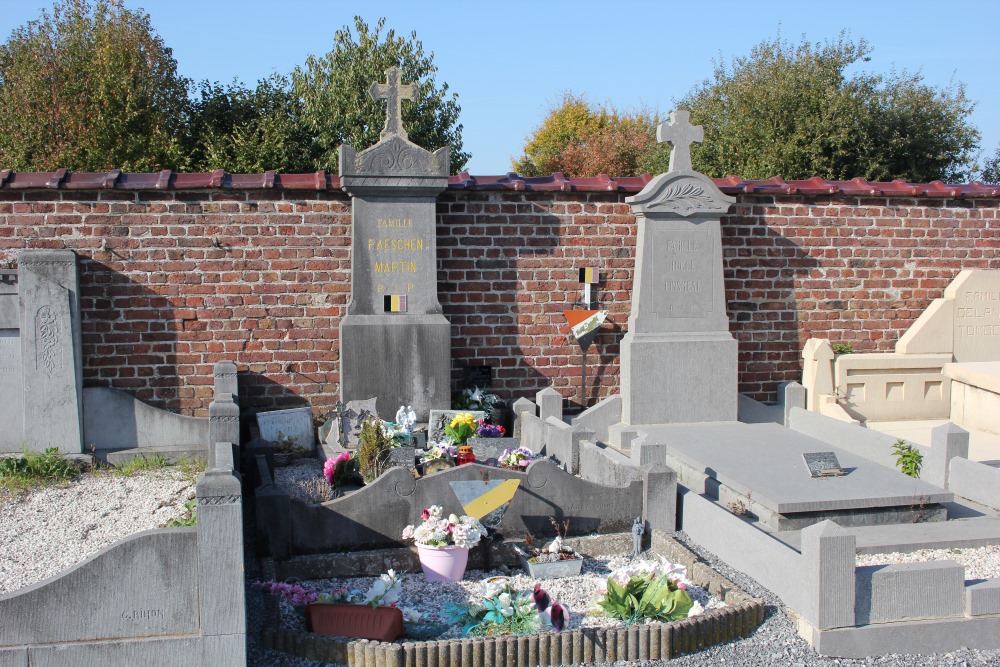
[
  {"x": 590, "y": 275},
  {"x": 394, "y": 303}
]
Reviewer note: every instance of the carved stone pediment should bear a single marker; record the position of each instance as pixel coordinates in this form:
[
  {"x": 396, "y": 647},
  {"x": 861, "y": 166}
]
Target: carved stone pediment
[
  {"x": 681, "y": 193},
  {"x": 394, "y": 156}
]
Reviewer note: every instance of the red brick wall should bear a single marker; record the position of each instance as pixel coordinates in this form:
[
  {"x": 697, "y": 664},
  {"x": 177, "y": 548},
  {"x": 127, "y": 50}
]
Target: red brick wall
[{"x": 174, "y": 281}]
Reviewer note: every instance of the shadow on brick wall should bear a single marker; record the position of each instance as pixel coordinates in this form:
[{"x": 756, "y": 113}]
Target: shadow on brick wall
[{"x": 767, "y": 267}]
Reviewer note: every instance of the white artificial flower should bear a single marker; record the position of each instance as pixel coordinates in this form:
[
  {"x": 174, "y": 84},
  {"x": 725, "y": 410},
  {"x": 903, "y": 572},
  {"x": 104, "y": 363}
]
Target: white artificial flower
[{"x": 696, "y": 609}]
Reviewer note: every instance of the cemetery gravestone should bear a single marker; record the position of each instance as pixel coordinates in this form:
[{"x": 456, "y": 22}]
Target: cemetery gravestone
[
  {"x": 678, "y": 357},
  {"x": 294, "y": 426},
  {"x": 977, "y": 315},
  {"x": 395, "y": 341},
  {"x": 48, "y": 340}
]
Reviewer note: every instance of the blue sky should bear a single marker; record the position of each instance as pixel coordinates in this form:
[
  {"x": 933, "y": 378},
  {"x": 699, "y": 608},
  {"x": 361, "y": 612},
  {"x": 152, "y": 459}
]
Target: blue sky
[{"x": 510, "y": 62}]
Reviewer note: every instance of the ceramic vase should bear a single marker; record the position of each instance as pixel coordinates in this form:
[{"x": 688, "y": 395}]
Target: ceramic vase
[{"x": 443, "y": 563}]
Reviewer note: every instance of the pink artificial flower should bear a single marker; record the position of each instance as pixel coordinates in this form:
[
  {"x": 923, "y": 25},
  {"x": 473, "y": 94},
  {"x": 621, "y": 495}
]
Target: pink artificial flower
[
  {"x": 328, "y": 469},
  {"x": 425, "y": 514}
]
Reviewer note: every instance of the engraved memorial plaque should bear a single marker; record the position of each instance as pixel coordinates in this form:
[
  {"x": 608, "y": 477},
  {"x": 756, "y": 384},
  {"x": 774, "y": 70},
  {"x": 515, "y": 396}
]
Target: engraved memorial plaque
[
  {"x": 822, "y": 464},
  {"x": 682, "y": 267}
]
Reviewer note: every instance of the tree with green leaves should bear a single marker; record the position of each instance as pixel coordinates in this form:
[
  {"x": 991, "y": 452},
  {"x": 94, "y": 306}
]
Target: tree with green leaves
[
  {"x": 991, "y": 171},
  {"x": 336, "y": 106},
  {"x": 245, "y": 130},
  {"x": 579, "y": 139},
  {"x": 793, "y": 111},
  {"x": 89, "y": 87}
]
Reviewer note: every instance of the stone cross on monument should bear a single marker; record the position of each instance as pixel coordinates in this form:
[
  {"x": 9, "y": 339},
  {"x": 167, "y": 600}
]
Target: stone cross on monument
[
  {"x": 393, "y": 92},
  {"x": 681, "y": 134}
]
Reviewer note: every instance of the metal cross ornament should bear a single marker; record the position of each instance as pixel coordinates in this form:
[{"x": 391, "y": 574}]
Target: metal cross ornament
[
  {"x": 681, "y": 134},
  {"x": 393, "y": 92}
]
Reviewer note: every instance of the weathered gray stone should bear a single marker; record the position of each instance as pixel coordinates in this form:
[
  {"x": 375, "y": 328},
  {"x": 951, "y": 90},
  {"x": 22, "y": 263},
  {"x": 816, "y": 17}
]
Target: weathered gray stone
[
  {"x": 764, "y": 461},
  {"x": 750, "y": 411},
  {"x": 828, "y": 560},
  {"x": 603, "y": 465},
  {"x": 982, "y": 598},
  {"x": 220, "y": 547},
  {"x": 549, "y": 402},
  {"x": 790, "y": 395},
  {"x": 678, "y": 359},
  {"x": 864, "y": 442},
  {"x": 659, "y": 498},
  {"x": 947, "y": 442},
  {"x": 154, "y": 596},
  {"x": 395, "y": 341},
  {"x": 114, "y": 419},
  {"x": 14, "y": 657},
  {"x": 975, "y": 481},
  {"x": 293, "y": 425},
  {"x": 52, "y": 363},
  {"x": 12, "y": 390},
  {"x": 646, "y": 451},
  {"x": 600, "y": 417},
  {"x": 226, "y": 382},
  {"x": 224, "y": 410},
  {"x": 558, "y": 438},
  {"x": 909, "y": 591},
  {"x": 545, "y": 490},
  {"x": 521, "y": 407}
]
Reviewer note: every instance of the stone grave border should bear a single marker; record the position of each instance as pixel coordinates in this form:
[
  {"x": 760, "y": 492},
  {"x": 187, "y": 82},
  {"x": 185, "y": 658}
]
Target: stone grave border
[
  {"x": 179, "y": 599},
  {"x": 654, "y": 641}
]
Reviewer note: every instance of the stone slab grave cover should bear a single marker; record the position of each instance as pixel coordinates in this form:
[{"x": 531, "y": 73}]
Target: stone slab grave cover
[
  {"x": 761, "y": 466},
  {"x": 395, "y": 341},
  {"x": 294, "y": 426},
  {"x": 678, "y": 358}
]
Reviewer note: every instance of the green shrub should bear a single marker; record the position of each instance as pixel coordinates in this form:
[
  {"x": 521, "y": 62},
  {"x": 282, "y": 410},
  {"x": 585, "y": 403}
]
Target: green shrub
[
  {"x": 373, "y": 449},
  {"x": 908, "y": 459},
  {"x": 843, "y": 348}
]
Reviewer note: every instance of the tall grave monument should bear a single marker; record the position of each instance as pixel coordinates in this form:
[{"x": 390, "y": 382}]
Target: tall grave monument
[
  {"x": 395, "y": 343},
  {"x": 678, "y": 358}
]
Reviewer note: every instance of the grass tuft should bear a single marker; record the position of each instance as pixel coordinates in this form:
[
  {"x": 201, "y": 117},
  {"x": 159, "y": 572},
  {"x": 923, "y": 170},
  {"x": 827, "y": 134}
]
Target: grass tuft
[{"x": 19, "y": 473}]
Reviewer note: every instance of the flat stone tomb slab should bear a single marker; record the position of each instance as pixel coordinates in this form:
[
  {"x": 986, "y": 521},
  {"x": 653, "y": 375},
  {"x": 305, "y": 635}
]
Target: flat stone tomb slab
[{"x": 761, "y": 466}]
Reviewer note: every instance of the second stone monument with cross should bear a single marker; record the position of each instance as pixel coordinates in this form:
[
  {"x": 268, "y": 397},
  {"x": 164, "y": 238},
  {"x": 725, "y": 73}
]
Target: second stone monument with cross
[
  {"x": 678, "y": 360},
  {"x": 395, "y": 343}
]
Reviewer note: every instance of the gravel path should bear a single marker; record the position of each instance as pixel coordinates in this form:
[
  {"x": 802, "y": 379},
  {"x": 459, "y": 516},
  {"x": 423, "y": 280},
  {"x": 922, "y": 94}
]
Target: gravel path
[{"x": 49, "y": 529}]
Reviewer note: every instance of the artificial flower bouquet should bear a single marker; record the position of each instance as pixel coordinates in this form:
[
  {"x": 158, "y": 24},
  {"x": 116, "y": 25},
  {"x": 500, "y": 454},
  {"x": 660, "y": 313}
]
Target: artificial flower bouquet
[
  {"x": 341, "y": 469},
  {"x": 461, "y": 428},
  {"x": 487, "y": 430},
  {"x": 517, "y": 459},
  {"x": 438, "y": 531}
]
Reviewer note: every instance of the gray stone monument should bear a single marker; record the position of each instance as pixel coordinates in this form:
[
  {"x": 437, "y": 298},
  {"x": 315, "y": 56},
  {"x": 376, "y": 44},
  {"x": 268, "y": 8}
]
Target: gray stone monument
[
  {"x": 678, "y": 358},
  {"x": 11, "y": 388},
  {"x": 395, "y": 343},
  {"x": 41, "y": 367}
]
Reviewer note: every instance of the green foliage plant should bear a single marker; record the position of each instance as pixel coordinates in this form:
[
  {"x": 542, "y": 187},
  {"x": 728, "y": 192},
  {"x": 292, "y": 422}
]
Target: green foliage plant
[
  {"x": 908, "y": 458},
  {"x": 18, "y": 473},
  {"x": 373, "y": 449},
  {"x": 141, "y": 463},
  {"x": 337, "y": 109},
  {"x": 188, "y": 518},
  {"x": 794, "y": 111},
  {"x": 843, "y": 348},
  {"x": 244, "y": 130},
  {"x": 656, "y": 598},
  {"x": 90, "y": 87},
  {"x": 502, "y": 611}
]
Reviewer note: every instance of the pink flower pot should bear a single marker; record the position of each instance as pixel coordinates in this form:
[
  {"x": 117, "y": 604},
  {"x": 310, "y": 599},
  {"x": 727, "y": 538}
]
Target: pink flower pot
[{"x": 443, "y": 563}]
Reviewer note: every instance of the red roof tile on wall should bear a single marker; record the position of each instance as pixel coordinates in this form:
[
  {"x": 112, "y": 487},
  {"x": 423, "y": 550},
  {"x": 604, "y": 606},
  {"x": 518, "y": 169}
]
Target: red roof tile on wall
[{"x": 557, "y": 182}]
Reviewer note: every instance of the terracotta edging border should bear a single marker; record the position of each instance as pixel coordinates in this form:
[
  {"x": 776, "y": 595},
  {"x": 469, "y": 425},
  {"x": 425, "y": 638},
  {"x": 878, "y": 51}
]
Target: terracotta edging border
[{"x": 653, "y": 641}]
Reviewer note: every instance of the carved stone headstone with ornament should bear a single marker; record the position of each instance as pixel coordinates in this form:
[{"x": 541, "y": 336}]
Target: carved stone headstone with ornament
[
  {"x": 394, "y": 339},
  {"x": 678, "y": 358}
]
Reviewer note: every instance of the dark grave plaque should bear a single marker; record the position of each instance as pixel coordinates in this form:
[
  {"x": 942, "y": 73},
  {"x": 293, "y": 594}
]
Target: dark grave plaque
[
  {"x": 478, "y": 377},
  {"x": 822, "y": 464}
]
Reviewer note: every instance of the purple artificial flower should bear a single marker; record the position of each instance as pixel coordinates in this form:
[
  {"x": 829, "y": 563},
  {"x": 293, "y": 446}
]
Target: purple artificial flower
[
  {"x": 540, "y": 597},
  {"x": 558, "y": 616}
]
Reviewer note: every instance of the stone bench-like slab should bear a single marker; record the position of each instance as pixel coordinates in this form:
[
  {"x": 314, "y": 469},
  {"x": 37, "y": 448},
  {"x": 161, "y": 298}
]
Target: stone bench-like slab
[{"x": 975, "y": 394}]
